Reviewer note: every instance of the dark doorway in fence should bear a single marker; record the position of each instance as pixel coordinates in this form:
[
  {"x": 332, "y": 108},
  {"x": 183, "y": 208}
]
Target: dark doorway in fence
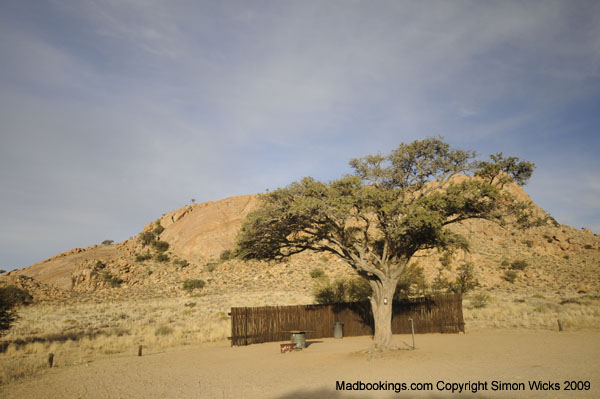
[{"x": 438, "y": 314}]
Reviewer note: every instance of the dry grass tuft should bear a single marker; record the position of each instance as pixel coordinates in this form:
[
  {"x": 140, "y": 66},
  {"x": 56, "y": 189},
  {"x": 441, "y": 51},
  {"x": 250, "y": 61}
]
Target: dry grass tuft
[
  {"x": 506, "y": 310},
  {"x": 78, "y": 333}
]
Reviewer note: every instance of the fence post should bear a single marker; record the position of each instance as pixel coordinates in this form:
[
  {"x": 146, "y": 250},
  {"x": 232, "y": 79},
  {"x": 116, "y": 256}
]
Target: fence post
[
  {"x": 50, "y": 359},
  {"x": 246, "y": 327}
]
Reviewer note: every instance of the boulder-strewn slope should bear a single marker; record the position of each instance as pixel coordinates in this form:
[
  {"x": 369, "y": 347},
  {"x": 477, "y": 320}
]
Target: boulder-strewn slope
[{"x": 560, "y": 259}]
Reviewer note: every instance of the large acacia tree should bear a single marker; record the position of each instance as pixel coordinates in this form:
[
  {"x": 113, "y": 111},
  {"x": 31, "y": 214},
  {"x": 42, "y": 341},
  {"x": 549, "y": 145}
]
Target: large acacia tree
[{"x": 377, "y": 218}]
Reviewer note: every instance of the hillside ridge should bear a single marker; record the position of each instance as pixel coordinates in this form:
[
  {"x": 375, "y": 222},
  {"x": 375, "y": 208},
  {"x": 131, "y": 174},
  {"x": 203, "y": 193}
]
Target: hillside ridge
[{"x": 559, "y": 258}]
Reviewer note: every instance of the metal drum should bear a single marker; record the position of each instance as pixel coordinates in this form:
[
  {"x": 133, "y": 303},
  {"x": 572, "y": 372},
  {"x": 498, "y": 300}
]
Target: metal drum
[
  {"x": 338, "y": 330},
  {"x": 299, "y": 339}
]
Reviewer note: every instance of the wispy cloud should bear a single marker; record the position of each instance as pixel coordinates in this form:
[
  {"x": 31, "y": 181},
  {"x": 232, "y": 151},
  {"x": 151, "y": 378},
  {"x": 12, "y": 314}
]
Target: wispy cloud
[{"x": 113, "y": 112}]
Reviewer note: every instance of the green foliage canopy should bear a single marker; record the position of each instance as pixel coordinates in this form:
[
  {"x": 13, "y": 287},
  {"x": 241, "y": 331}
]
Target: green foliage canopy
[{"x": 377, "y": 218}]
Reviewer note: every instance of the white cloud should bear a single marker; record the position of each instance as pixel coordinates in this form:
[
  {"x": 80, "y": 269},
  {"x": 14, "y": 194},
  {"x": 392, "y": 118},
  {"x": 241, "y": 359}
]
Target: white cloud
[{"x": 122, "y": 110}]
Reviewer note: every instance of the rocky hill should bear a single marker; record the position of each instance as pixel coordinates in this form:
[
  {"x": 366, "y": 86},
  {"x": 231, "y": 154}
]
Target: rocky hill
[{"x": 557, "y": 258}]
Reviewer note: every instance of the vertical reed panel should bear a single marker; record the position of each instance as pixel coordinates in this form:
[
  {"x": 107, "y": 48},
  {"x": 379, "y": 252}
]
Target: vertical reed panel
[{"x": 441, "y": 313}]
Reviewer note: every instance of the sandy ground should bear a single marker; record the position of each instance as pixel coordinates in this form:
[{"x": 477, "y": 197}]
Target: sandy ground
[{"x": 260, "y": 371}]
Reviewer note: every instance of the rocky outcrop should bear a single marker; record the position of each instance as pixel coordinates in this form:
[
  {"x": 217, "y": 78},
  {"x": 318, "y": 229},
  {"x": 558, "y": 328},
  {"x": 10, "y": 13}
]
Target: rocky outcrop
[{"x": 559, "y": 258}]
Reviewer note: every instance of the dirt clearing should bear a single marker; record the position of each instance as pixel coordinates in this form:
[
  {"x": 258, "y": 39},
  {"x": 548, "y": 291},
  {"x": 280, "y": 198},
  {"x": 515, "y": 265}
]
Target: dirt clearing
[{"x": 495, "y": 363}]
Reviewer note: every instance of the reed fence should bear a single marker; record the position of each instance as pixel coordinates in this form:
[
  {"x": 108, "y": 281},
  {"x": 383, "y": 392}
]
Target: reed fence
[{"x": 252, "y": 325}]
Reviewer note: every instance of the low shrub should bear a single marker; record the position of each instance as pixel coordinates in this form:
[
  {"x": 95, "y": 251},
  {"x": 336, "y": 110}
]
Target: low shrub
[
  {"x": 146, "y": 237},
  {"x": 181, "y": 263},
  {"x": 465, "y": 281},
  {"x": 480, "y": 300},
  {"x": 114, "y": 281},
  {"x": 317, "y": 273},
  {"x": 211, "y": 266},
  {"x": 440, "y": 283},
  {"x": 519, "y": 265},
  {"x": 161, "y": 257},
  {"x": 158, "y": 229},
  {"x": 143, "y": 256},
  {"x": 15, "y": 296},
  {"x": 160, "y": 246},
  {"x": 510, "y": 276},
  {"x": 193, "y": 284},
  {"x": 327, "y": 292},
  {"x": 412, "y": 282},
  {"x": 226, "y": 255},
  {"x": 99, "y": 265},
  {"x": 163, "y": 330}
]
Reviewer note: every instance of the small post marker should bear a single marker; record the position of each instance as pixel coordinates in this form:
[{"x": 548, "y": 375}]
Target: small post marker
[
  {"x": 560, "y": 326},
  {"x": 50, "y": 359},
  {"x": 140, "y": 350},
  {"x": 412, "y": 328}
]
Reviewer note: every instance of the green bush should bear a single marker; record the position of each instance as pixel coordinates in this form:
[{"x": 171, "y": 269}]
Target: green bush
[
  {"x": 331, "y": 292},
  {"x": 158, "y": 229},
  {"x": 114, "y": 281},
  {"x": 211, "y": 266},
  {"x": 317, "y": 273},
  {"x": 193, "y": 284},
  {"x": 161, "y": 257},
  {"x": 7, "y": 304},
  {"x": 163, "y": 330},
  {"x": 510, "y": 276},
  {"x": 412, "y": 282},
  {"x": 160, "y": 246},
  {"x": 146, "y": 237},
  {"x": 15, "y": 296},
  {"x": 107, "y": 242},
  {"x": 142, "y": 257},
  {"x": 441, "y": 284},
  {"x": 465, "y": 281},
  {"x": 358, "y": 289},
  {"x": 519, "y": 265},
  {"x": 480, "y": 300},
  {"x": 226, "y": 255},
  {"x": 181, "y": 263}
]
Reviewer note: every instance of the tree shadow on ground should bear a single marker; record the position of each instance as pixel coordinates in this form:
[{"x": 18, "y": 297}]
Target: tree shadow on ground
[{"x": 309, "y": 343}]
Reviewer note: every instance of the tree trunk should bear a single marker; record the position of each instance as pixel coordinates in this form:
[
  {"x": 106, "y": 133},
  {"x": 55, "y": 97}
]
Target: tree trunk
[{"x": 381, "y": 304}]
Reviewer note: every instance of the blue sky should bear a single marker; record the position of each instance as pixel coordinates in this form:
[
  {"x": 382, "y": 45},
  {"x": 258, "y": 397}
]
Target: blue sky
[{"x": 115, "y": 112}]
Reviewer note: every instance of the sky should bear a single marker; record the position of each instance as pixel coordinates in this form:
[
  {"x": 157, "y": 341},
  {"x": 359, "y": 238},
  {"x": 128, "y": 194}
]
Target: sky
[{"x": 115, "y": 112}]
